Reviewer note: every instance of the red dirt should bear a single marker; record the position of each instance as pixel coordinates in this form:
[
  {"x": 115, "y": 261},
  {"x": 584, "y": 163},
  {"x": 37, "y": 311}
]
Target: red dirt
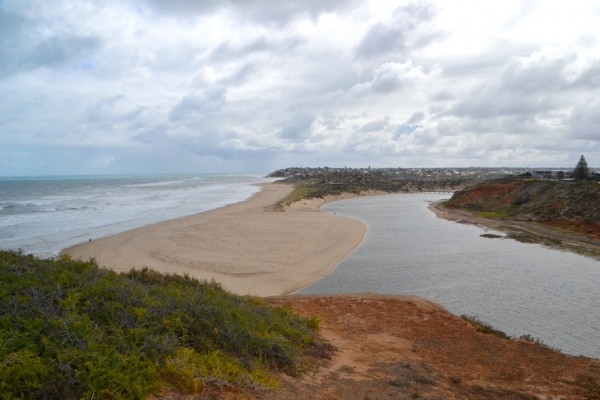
[
  {"x": 574, "y": 206},
  {"x": 402, "y": 347},
  {"x": 410, "y": 341}
]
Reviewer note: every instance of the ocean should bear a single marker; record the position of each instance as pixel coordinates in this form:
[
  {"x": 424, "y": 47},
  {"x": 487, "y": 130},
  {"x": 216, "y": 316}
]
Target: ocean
[{"x": 43, "y": 215}]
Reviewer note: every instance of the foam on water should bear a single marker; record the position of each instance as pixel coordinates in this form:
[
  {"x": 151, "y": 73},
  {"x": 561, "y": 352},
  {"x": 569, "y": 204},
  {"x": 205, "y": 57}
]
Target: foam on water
[{"x": 44, "y": 215}]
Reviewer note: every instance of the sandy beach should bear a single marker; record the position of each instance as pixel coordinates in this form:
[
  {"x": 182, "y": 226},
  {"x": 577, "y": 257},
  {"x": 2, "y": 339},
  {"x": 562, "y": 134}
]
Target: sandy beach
[{"x": 244, "y": 246}]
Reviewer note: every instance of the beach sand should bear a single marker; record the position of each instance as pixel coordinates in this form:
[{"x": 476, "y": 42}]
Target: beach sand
[{"x": 243, "y": 246}]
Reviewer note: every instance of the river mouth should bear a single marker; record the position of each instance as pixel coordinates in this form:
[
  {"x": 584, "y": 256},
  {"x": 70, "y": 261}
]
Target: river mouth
[{"x": 518, "y": 287}]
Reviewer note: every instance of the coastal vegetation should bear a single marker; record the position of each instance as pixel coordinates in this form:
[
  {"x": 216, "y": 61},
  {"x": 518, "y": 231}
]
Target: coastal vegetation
[
  {"x": 493, "y": 214},
  {"x": 337, "y": 182},
  {"x": 484, "y": 327},
  {"x": 574, "y": 206},
  {"x": 71, "y": 329},
  {"x": 307, "y": 192}
]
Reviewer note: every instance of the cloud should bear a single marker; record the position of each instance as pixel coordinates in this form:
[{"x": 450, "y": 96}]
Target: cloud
[
  {"x": 228, "y": 50},
  {"x": 546, "y": 71},
  {"x": 58, "y": 50},
  {"x": 109, "y": 111},
  {"x": 194, "y": 104},
  {"x": 297, "y": 130},
  {"x": 584, "y": 121},
  {"x": 411, "y": 126},
  {"x": 526, "y": 7},
  {"x": 229, "y": 74},
  {"x": 409, "y": 28},
  {"x": 389, "y": 77},
  {"x": 267, "y": 83},
  {"x": 528, "y": 95},
  {"x": 268, "y": 11},
  {"x": 404, "y": 129},
  {"x": 25, "y": 46},
  {"x": 374, "y": 126},
  {"x": 416, "y": 118},
  {"x": 152, "y": 134}
]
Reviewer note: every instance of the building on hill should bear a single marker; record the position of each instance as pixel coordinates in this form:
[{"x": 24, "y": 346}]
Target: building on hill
[
  {"x": 551, "y": 173},
  {"x": 543, "y": 174}
]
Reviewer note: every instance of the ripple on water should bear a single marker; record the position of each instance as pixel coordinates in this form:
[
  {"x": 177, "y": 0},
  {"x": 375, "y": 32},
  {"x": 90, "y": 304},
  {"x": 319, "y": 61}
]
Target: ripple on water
[{"x": 522, "y": 289}]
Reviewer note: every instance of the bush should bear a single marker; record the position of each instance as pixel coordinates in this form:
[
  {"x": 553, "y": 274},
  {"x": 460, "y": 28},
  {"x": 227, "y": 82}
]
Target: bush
[
  {"x": 522, "y": 199},
  {"x": 483, "y": 327},
  {"x": 71, "y": 329}
]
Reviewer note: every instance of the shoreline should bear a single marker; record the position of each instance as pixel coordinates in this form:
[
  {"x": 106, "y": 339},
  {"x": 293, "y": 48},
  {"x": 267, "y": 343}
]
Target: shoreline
[
  {"x": 246, "y": 247},
  {"x": 524, "y": 231}
]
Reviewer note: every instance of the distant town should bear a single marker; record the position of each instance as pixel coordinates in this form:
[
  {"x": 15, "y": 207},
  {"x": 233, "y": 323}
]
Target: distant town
[{"x": 470, "y": 174}]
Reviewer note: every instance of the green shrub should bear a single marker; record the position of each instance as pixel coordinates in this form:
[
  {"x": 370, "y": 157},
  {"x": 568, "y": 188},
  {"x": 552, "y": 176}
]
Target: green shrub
[
  {"x": 70, "y": 329},
  {"x": 492, "y": 214},
  {"x": 301, "y": 192},
  {"x": 483, "y": 327},
  {"x": 593, "y": 219},
  {"x": 191, "y": 371}
]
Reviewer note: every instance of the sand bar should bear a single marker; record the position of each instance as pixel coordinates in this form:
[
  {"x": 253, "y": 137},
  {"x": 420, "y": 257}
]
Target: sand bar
[{"x": 244, "y": 247}]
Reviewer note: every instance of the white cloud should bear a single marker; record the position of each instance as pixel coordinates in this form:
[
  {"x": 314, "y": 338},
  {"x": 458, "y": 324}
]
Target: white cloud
[
  {"x": 258, "y": 84},
  {"x": 390, "y": 77}
]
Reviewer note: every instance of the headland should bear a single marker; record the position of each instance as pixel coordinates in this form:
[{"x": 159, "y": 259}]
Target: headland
[{"x": 563, "y": 215}]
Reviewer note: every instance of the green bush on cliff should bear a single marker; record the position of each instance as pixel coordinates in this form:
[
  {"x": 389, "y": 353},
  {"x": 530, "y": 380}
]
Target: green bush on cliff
[
  {"x": 483, "y": 327},
  {"x": 302, "y": 192},
  {"x": 70, "y": 329}
]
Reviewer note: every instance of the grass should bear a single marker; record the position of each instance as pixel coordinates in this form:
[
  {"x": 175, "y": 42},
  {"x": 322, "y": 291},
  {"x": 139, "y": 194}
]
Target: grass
[
  {"x": 492, "y": 214},
  {"x": 301, "y": 192},
  {"x": 71, "y": 329},
  {"x": 483, "y": 327}
]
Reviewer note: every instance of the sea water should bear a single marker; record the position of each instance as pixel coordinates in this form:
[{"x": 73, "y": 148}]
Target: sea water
[
  {"x": 43, "y": 215},
  {"x": 521, "y": 289}
]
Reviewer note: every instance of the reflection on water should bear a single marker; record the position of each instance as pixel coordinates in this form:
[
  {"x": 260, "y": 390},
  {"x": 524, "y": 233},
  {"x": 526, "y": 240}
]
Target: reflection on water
[{"x": 518, "y": 288}]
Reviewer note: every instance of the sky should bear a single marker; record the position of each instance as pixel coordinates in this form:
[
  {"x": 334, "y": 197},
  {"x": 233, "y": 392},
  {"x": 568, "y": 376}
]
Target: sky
[{"x": 192, "y": 86}]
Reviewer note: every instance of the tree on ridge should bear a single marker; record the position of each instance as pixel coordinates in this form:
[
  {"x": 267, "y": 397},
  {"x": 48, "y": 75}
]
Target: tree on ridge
[{"x": 581, "y": 170}]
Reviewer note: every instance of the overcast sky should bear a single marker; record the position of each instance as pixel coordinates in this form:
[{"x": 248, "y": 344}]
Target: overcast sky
[{"x": 159, "y": 86}]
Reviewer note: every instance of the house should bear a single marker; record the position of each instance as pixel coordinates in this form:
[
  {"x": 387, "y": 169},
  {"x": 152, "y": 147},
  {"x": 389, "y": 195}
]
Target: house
[
  {"x": 566, "y": 173},
  {"x": 544, "y": 174},
  {"x": 551, "y": 173}
]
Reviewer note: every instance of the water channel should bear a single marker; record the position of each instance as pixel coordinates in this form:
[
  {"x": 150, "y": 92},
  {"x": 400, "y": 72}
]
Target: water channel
[{"x": 521, "y": 289}]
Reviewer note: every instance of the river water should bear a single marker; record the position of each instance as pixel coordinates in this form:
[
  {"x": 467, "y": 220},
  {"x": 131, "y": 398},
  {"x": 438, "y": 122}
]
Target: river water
[{"x": 521, "y": 289}]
